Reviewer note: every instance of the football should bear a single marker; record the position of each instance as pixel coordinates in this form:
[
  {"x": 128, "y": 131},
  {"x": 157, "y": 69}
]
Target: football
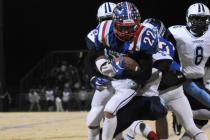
[{"x": 129, "y": 63}]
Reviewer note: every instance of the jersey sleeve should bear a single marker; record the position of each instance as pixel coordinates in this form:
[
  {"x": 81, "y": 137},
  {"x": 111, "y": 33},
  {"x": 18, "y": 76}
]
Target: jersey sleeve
[
  {"x": 102, "y": 37},
  {"x": 166, "y": 46},
  {"x": 90, "y": 39}
]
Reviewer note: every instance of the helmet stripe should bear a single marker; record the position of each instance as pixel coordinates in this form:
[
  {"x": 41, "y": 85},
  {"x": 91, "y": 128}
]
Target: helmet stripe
[
  {"x": 110, "y": 10},
  {"x": 105, "y": 8},
  {"x": 203, "y": 8},
  {"x": 199, "y": 8}
]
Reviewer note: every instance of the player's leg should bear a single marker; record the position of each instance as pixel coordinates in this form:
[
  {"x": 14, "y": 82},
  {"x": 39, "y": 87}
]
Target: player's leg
[
  {"x": 199, "y": 124},
  {"x": 179, "y": 105},
  {"x": 162, "y": 128},
  {"x": 140, "y": 108},
  {"x": 140, "y": 128},
  {"x": 125, "y": 90},
  {"x": 197, "y": 91},
  {"x": 95, "y": 115},
  {"x": 201, "y": 114}
]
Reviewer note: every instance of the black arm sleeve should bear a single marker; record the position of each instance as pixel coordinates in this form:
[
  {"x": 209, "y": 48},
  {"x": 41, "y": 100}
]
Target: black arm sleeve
[
  {"x": 145, "y": 71},
  {"x": 90, "y": 44},
  {"x": 170, "y": 79},
  {"x": 169, "y": 36},
  {"x": 162, "y": 65},
  {"x": 90, "y": 58}
]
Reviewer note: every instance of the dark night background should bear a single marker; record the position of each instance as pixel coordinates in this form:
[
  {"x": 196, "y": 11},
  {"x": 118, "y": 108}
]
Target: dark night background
[{"x": 32, "y": 28}]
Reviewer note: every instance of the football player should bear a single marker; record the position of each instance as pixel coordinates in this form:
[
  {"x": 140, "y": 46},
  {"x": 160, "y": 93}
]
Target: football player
[
  {"x": 192, "y": 42},
  {"x": 103, "y": 90},
  {"x": 173, "y": 95},
  {"x": 124, "y": 35}
]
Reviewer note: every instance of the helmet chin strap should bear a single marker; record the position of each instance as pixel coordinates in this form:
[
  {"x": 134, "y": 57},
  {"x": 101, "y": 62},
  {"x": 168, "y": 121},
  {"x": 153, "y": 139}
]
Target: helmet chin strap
[
  {"x": 195, "y": 34},
  {"x": 192, "y": 32}
]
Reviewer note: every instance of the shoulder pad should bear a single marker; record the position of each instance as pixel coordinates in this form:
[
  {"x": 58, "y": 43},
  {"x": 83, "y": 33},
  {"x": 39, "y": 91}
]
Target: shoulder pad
[
  {"x": 103, "y": 30},
  {"x": 92, "y": 34},
  {"x": 147, "y": 41},
  {"x": 175, "y": 27}
]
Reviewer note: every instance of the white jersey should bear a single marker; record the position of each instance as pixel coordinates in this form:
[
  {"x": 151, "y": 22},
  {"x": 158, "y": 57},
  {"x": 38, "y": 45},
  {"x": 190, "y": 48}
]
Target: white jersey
[
  {"x": 151, "y": 86},
  {"x": 193, "y": 51}
]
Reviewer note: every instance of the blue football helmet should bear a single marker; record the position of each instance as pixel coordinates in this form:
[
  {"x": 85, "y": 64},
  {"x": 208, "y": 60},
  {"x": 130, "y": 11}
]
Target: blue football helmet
[
  {"x": 156, "y": 24},
  {"x": 126, "y": 20}
]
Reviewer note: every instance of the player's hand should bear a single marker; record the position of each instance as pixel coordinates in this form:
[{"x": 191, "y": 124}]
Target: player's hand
[
  {"x": 118, "y": 65},
  {"x": 99, "y": 83}
]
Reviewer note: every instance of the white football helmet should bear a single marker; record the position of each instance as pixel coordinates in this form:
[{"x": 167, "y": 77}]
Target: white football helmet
[
  {"x": 198, "y": 18},
  {"x": 105, "y": 11}
]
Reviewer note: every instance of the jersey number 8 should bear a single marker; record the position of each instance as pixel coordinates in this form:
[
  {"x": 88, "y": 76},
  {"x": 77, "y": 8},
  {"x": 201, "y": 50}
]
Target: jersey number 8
[{"x": 198, "y": 55}]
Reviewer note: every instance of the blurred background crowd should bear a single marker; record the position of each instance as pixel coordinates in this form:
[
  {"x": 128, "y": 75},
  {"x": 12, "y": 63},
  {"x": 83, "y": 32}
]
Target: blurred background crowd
[{"x": 58, "y": 82}]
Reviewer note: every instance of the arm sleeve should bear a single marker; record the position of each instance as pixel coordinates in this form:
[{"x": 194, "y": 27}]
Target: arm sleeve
[
  {"x": 145, "y": 71},
  {"x": 90, "y": 62},
  {"x": 89, "y": 43},
  {"x": 93, "y": 53},
  {"x": 163, "y": 64},
  {"x": 169, "y": 36},
  {"x": 172, "y": 77}
]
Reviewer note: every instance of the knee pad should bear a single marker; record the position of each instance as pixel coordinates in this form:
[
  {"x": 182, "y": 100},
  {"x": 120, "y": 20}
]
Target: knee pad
[{"x": 94, "y": 116}]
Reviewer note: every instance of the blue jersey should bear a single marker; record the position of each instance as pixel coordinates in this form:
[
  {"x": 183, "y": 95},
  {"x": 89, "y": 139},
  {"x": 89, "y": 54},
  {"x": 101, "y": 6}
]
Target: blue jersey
[
  {"x": 168, "y": 48},
  {"x": 145, "y": 41}
]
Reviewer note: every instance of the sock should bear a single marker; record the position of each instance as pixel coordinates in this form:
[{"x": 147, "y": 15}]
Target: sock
[
  {"x": 93, "y": 134},
  {"x": 131, "y": 133},
  {"x": 152, "y": 136},
  {"x": 144, "y": 129},
  {"x": 140, "y": 128},
  {"x": 109, "y": 127}
]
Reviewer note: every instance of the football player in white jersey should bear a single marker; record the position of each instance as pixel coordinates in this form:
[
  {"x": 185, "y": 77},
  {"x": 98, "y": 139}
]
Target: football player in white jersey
[
  {"x": 103, "y": 90},
  {"x": 192, "y": 44},
  {"x": 174, "y": 96}
]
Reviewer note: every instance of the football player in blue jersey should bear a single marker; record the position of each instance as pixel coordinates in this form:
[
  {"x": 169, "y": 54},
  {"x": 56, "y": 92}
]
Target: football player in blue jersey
[
  {"x": 101, "y": 84},
  {"x": 125, "y": 36}
]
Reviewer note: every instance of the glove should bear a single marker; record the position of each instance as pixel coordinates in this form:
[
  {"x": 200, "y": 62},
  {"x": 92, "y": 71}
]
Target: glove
[
  {"x": 99, "y": 83},
  {"x": 118, "y": 66}
]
